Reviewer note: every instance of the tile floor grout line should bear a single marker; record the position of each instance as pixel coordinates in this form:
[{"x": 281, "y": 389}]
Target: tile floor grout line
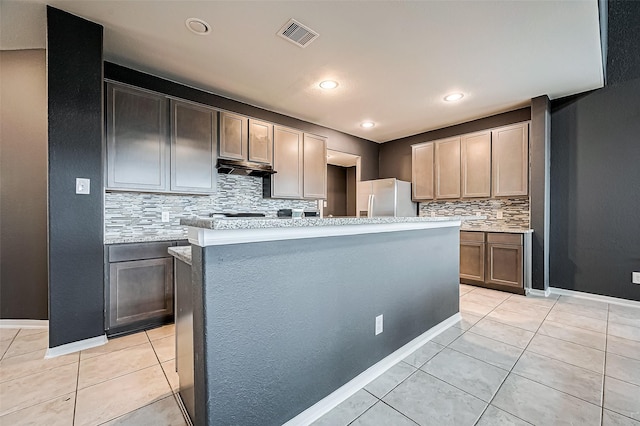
[
  {"x": 604, "y": 367},
  {"x": 75, "y": 395},
  {"x": 511, "y": 370}
]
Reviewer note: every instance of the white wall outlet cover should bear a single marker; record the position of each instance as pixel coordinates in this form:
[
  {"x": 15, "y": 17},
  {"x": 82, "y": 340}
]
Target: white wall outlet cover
[
  {"x": 379, "y": 320},
  {"x": 324, "y": 203},
  {"x": 433, "y": 214},
  {"x": 478, "y": 214},
  {"x": 83, "y": 186},
  {"x": 165, "y": 216},
  {"x": 635, "y": 277},
  {"x": 499, "y": 214}
]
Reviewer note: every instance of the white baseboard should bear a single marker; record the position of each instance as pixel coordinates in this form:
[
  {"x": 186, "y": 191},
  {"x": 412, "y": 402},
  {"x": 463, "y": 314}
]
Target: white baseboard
[
  {"x": 341, "y": 394},
  {"x": 596, "y": 297},
  {"x": 76, "y": 346},
  {"x": 536, "y": 292},
  {"x": 23, "y": 323}
]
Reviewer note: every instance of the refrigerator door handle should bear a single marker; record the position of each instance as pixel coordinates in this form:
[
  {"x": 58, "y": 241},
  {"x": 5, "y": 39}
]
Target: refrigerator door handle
[{"x": 370, "y": 208}]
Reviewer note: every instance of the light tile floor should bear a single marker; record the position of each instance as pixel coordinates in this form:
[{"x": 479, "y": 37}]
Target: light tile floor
[
  {"x": 129, "y": 381},
  {"x": 511, "y": 360}
]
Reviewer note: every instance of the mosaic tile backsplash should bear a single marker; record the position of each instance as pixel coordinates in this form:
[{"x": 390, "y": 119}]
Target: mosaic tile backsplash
[
  {"x": 515, "y": 211},
  {"x": 130, "y": 216}
]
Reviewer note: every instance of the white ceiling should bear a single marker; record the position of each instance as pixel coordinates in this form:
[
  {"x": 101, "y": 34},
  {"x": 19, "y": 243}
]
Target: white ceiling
[{"x": 394, "y": 60}]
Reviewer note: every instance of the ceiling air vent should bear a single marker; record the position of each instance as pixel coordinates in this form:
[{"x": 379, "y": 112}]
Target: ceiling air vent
[{"x": 297, "y": 33}]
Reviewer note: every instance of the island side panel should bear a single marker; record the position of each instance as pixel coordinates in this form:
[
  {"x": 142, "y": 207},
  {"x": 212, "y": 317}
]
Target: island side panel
[{"x": 285, "y": 323}]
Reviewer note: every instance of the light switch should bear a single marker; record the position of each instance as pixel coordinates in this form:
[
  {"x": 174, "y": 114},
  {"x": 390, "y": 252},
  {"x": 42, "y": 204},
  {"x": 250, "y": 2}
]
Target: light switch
[
  {"x": 165, "y": 216},
  {"x": 499, "y": 214},
  {"x": 83, "y": 186}
]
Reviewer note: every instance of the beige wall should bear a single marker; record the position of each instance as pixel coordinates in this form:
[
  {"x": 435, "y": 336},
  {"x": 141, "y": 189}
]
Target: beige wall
[{"x": 23, "y": 185}]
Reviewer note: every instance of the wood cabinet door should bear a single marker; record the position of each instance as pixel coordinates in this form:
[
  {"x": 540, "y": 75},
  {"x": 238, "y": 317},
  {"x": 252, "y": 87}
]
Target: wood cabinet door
[
  {"x": 510, "y": 160},
  {"x": 447, "y": 168},
  {"x": 472, "y": 262},
  {"x": 504, "y": 264},
  {"x": 233, "y": 136},
  {"x": 137, "y": 148},
  {"x": 315, "y": 167},
  {"x": 260, "y": 141},
  {"x": 140, "y": 290},
  {"x": 193, "y": 148},
  {"x": 287, "y": 162},
  {"x": 475, "y": 161},
  {"x": 422, "y": 171}
]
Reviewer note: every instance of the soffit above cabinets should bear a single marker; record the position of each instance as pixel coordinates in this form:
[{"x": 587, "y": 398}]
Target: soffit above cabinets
[{"x": 394, "y": 61}]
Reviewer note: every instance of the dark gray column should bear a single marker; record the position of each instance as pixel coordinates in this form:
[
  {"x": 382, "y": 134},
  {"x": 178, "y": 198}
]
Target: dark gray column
[
  {"x": 76, "y": 283},
  {"x": 539, "y": 151}
]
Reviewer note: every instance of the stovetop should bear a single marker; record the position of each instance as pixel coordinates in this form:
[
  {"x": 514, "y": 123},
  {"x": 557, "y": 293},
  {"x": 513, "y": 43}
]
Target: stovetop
[{"x": 236, "y": 215}]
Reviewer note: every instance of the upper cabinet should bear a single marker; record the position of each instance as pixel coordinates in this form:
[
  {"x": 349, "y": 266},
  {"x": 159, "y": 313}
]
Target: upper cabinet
[
  {"x": 137, "y": 146},
  {"x": 234, "y": 136},
  {"x": 422, "y": 171},
  {"x": 447, "y": 168},
  {"x": 314, "y": 167},
  {"x": 490, "y": 163},
  {"x": 243, "y": 138},
  {"x": 193, "y": 147},
  {"x": 510, "y": 160},
  {"x": 260, "y": 141},
  {"x": 475, "y": 163},
  {"x": 300, "y": 162},
  {"x": 287, "y": 162},
  {"x": 157, "y": 145}
]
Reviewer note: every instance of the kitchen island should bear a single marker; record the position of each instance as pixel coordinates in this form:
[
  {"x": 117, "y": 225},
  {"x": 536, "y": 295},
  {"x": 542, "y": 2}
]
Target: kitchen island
[{"x": 284, "y": 310}]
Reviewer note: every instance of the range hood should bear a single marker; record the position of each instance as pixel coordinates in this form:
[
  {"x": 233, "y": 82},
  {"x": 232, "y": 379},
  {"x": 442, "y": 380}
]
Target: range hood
[{"x": 245, "y": 168}]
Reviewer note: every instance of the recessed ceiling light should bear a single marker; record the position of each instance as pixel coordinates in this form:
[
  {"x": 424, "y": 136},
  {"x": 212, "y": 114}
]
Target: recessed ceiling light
[
  {"x": 454, "y": 97},
  {"x": 329, "y": 84},
  {"x": 198, "y": 26},
  {"x": 367, "y": 124}
]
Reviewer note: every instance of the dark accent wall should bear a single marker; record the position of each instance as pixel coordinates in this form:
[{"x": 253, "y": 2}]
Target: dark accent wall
[
  {"x": 595, "y": 152},
  {"x": 338, "y": 141},
  {"x": 623, "y": 60},
  {"x": 269, "y": 348},
  {"x": 336, "y": 191},
  {"x": 352, "y": 191},
  {"x": 595, "y": 191},
  {"x": 395, "y": 156},
  {"x": 23, "y": 185},
  {"x": 74, "y": 59},
  {"x": 539, "y": 190}
]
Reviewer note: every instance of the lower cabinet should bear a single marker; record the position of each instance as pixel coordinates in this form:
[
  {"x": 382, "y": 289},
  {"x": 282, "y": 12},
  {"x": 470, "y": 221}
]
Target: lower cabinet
[
  {"x": 493, "y": 260},
  {"x": 504, "y": 260},
  {"x": 472, "y": 261},
  {"x": 138, "y": 286}
]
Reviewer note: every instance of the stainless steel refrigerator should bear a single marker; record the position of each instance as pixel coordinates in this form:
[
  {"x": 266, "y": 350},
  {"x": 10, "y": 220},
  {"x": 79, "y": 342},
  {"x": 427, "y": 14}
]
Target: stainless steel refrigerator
[{"x": 385, "y": 197}]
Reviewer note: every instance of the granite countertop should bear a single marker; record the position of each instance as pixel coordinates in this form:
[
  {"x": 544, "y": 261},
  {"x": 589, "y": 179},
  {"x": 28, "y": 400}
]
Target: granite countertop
[
  {"x": 183, "y": 253},
  {"x": 264, "y": 223},
  {"x": 182, "y": 235},
  {"x": 494, "y": 228}
]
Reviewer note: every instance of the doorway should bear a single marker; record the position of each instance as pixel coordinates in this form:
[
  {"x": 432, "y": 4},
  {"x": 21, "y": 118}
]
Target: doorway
[{"x": 343, "y": 175}]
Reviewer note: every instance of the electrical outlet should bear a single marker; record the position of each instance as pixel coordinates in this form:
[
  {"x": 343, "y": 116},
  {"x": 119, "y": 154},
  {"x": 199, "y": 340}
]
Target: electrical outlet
[
  {"x": 165, "y": 217},
  {"x": 378, "y": 324},
  {"x": 324, "y": 203},
  {"x": 433, "y": 214},
  {"x": 499, "y": 214},
  {"x": 635, "y": 277},
  {"x": 478, "y": 214},
  {"x": 83, "y": 186}
]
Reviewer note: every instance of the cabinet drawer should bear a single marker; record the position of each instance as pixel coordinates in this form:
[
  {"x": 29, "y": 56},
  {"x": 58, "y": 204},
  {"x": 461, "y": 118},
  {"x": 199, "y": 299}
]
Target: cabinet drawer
[
  {"x": 475, "y": 236},
  {"x": 139, "y": 251},
  {"x": 503, "y": 238}
]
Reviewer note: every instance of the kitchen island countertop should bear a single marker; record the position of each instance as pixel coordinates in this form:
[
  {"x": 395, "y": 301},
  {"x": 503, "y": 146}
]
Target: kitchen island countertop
[{"x": 266, "y": 223}]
